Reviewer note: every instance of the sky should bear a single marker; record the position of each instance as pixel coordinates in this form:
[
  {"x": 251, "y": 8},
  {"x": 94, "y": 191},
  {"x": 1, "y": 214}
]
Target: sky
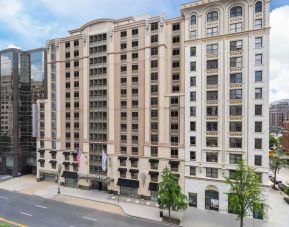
[{"x": 27, "y": 24}]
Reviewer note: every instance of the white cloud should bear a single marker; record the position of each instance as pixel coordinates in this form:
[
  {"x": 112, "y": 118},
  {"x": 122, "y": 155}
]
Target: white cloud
[{"x": 279, "y": 67}]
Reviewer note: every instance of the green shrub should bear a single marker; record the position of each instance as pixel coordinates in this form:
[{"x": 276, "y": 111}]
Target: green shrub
[{"x": 287, "y": 191}]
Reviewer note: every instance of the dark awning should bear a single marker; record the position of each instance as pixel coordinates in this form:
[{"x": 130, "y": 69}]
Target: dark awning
[
  {"x": 66, "y": 152},
  {"x": 67, "y": 174},
  {"x": 128, "y": 183},
  {"x": 122, "y": 158},
  {"x": 52, "y": 151},
  {"x": 133, "y": 159},
  {"x": 153, "y": 186},
  {"x": 41, "y": 160},
  {"x": 122, "y": 169},
  {"x": 176, "y": 162},
  {"x": 41, "y": 151},
  {"x": 66, "y": 163},
  {"x": 74, "y": 163},
  {"x": 133, "y": 170},
  {"x": 53, "y": 161},
  {"x": 154, "y": 173},
  {"x": 154, "y": 160},
  {"x": 73, "y": 153}
]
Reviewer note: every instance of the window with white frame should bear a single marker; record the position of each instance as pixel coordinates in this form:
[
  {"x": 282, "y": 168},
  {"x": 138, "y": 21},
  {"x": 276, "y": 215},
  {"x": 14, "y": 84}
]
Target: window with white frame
[
  {"x": 212, "y": 31},
  {"x": 193, "y": 20},
  {"x": 212, "y": 16},
  {"x": 236, "y": 11},
  {"x": 212, "y": 48},
  {"x": 258, "y": 93},
  {"x": 258, "y": 76},
  {"x": 193, "y": 66},
  {"x": 258, "y": 7},
  {"x": 193, "y": 34},
  {"x": 258, "y": 23},
  {"x": 258, "y": 42},
  {"x": 236, "y": 62},
  {"x": 258, "y": 59},
  {"x": 236, "y": 45},
  {"x": 236, "y": 27}
]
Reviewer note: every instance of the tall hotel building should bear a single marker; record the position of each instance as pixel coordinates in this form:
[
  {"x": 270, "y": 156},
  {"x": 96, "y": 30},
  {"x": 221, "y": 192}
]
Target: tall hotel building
[
  {"x": 227, "y": 89},
  {"x": 115, "y": 86},
  {"x": 189, "y": 93}
]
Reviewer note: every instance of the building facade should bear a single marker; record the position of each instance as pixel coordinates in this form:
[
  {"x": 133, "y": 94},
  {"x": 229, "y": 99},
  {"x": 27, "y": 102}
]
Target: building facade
[
  {"x": 227, "y": 96},
  {"x": 115, "y": 87},
  {"x": 279, "y": 113},
  {"x": 17, "y": 144},
  {"x": 285, "y": 136}
]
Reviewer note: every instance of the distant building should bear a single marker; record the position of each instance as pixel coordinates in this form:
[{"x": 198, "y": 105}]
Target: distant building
[
  {"x": 279, "y": 113},
  {"x": 285, "y": 138},
  {"x": 17, "y": 145}
]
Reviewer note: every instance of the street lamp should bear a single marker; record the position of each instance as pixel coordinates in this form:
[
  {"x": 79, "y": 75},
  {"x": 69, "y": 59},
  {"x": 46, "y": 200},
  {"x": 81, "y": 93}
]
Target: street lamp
[{"x": 59, "y": 168}]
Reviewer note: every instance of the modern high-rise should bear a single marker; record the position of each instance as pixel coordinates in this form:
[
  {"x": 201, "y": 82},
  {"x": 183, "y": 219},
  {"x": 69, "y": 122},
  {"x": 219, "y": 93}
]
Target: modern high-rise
[
  {"x": 227, "y": 96},
  {"x": 279, "y": 113},
  {"x": 115, "y": 87},
  {"x": 17, "y": 143}
]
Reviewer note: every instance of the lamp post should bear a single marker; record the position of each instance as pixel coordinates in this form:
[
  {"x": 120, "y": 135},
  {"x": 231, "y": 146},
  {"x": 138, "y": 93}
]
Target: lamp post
[{"x": 59, "y": 168}]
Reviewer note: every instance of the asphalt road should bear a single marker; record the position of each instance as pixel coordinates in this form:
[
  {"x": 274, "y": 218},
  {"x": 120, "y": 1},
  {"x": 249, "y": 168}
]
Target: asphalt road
[{"x": 39, "y": 212}]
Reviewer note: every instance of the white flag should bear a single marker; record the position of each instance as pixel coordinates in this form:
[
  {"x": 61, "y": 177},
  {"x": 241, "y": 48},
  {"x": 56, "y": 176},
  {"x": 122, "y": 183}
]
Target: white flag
[{"x": 104, "y": 160}]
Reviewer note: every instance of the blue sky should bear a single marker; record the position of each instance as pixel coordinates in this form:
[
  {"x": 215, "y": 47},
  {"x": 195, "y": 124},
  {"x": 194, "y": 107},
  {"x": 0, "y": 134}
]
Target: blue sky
[{"x": 29, "y": 23}]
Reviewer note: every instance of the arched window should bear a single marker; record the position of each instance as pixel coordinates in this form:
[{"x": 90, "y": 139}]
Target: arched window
[
  {"x": 258, "y": 7},
  {"x": 236, "y": 11},
  {"x": 193, "y": 20},
  {"x": 212, "y": 16}
]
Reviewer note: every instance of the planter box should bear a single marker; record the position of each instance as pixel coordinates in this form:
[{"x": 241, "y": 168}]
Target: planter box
[{"x": 178, "y": 215}]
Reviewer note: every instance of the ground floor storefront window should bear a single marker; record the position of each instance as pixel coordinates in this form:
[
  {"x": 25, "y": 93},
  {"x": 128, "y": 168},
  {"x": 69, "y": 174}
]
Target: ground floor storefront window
[
  {"x": 69, "y": 182},
  {"x": 212, "y": 200},
  {"x": 193, "y": 199},
  {"x": 154, "y": 196},
  {"x": 127, "y": 191}
]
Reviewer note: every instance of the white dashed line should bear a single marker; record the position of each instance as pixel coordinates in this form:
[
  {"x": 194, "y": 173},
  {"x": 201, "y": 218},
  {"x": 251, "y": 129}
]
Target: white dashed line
[
  {"x": 91, "y": 219},
  {"x": 40, "y": 206},
  {"x": 2, "y": 197},
  {"x": 30, "y": 215}
]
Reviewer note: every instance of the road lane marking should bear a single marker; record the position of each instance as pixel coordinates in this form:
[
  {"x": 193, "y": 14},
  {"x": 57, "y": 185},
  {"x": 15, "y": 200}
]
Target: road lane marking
[
  {"x": 30, "y": 215},
  {"x": 2, "y": 197},
  {"x": 40, "y": 206},
  {"x": 3, "y": 178},
  {"x": 91, "y": 219},
  {"x": 12, "y": 223}
]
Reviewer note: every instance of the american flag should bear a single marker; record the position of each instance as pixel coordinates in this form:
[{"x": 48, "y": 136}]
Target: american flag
[{"x": 78, "y": 156}]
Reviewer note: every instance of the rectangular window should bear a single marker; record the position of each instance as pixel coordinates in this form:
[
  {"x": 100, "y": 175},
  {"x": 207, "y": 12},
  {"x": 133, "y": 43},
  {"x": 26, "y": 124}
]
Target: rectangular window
[
  {"x": 212, "y": 80},
  {"x": 193, "y": 126},
  {"x": 212, "y": 141},
  {"x": 258, "y": 59},
  {"x": 192, "y": 111},
  {"x": 258, "y": 42},
  {"x": 236, "y": 78},
  {"x": 258, "y": 76},
  {"x": 154, "y": 39},
  {"x": 236, "y": 27},
  {"x": 258, "y": 126},
  {"x": 192, "y": 170},
  {"x": 123, "y": 46},
  {"x": 258, "y": 93},
  {"x": 236, "y": 62},
  {"x": 212, "y": 31},
  {"x": 193, "y": 66},
  {"x": 134, "y": 31},
  {"x": 236, "y": 94},
  {"x": 192, "y": 156},
  {"x": 258, "y": 23},
  {"x": 212, "y": 157},
  {"x": 258, "y": 160},
  {"x": 212, "y": 172},
  {"x": 258, "y": 143},
  {"x": 193, "y": 199},
  {"x": 193, "y": 81},
  {"x": 154, "y": 64},
  {"x": 235, "y": 126},
  {"x": 134, "y": 44},
  {"x": 212, "y": 49},
  {"x": 235, "y": 142},
  {"x": 176, "y": 27},
  {"x": 235, "y": 158},
  {"x": 176, "y": 52},
  {"x": 212, "y": 64},
  {"x": 134, "y": 55},
  {"x": 193, "y": 34},
  {"x": 212, "y": 95},
  {"x": 123, "y": 34},
  {"x": 154, "y": 26},
  {"x": 236, "y": 45},
  {"x": 212, "y": 111},
  {"x": 212, "y": 126},
  {"x": 236, "y": 110},
  {"x": 193, "y": 96},
  {"x": 193, "y": 51},
  {"x": 174, "y": 153},
  {"x": 192, "y": 141},
  {"x": 258, "y": 110},
  {"x": 176, "y": 39}
]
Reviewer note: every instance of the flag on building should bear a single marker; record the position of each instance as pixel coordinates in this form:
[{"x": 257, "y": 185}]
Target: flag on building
[
  {"x": 78, "y": 156},
  {"x": 103, "y": 161}
]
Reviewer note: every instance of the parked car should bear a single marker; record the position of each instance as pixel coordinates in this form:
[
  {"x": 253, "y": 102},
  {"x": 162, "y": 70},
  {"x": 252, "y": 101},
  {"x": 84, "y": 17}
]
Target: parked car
[
  {"x": 278, "y": 180},
  {"x": 283, "y": 186}
]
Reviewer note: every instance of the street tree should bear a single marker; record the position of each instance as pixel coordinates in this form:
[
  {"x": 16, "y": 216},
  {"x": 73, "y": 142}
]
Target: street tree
[
  {"x": 246, "y": 196},
  {"x": 273, "y": 142},
  {"x": 170, "y": 196},
  {"x": 276, "y": 164}
]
